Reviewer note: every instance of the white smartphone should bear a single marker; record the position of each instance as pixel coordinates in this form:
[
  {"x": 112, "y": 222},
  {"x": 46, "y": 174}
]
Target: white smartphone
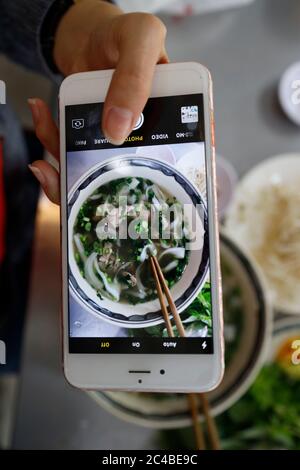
[{"x": 155, "y": 195}]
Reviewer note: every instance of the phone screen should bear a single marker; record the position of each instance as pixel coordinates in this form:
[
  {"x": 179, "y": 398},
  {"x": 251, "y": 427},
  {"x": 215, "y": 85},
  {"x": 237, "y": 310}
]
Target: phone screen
[{"x": 147, "y": 197}]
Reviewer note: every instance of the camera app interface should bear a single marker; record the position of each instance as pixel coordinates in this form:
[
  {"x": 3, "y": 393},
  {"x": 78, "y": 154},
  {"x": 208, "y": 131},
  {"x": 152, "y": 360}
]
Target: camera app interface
[{"x": 129, "y": 206}]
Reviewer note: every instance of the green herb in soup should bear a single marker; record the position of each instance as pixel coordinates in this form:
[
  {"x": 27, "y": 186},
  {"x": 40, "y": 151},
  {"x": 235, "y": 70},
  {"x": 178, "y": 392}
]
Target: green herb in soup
[
  {"x": 196, "y": 319},
  {"x": 117, "y": 266}
]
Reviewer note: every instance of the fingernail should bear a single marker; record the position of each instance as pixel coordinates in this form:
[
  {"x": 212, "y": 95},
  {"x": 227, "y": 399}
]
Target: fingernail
[
  {"x": 34, "y": 110},
  {"x": 38, "y": 174},
  {"x": 118, "y": 124}
]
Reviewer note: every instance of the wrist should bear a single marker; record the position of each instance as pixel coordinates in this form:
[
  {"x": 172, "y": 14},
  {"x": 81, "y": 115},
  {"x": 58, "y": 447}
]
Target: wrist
[{"x": 75, "y": 29}]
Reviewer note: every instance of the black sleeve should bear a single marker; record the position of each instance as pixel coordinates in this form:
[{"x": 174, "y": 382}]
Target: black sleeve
[{"x": 20, "y": 28}]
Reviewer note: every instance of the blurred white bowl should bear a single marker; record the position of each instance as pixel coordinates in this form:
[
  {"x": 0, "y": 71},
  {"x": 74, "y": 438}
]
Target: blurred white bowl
[{"x": 226, "y": 182}]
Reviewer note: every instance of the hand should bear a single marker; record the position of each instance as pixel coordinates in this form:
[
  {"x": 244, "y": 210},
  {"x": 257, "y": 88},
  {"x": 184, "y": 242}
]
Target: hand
[{"x": 96, "y": 35}]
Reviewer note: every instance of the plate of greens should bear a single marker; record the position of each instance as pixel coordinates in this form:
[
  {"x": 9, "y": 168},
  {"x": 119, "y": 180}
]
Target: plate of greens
[{"x": 267, "y": 416}]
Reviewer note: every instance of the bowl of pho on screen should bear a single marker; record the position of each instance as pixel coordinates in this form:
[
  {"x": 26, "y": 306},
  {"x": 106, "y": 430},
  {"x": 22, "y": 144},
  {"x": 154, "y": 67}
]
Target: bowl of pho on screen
[{"x": 120, "y": 213}]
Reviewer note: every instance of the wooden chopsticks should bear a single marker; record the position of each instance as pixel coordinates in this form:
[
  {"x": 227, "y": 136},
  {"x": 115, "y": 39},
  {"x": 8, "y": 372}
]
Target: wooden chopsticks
[
  {"x": 212, "y": 429},
  {"x": 161, "y": 297},
  {"x": 163, "y": 289},
  {"x": 167, "y": 292},
  {"x": 197, "y": 427}
]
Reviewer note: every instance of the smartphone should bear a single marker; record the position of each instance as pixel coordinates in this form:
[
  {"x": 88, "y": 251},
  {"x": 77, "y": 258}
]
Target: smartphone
[{"x": 155, "y": 195}]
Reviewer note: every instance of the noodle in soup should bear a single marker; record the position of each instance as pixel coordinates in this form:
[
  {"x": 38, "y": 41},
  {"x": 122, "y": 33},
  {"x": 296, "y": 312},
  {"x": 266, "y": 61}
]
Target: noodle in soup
[{"x": 118, "y": 267}]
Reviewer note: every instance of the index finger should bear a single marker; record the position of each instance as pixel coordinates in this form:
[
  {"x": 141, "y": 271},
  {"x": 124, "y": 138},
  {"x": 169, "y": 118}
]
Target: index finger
[{"x": 141, "y": 48}]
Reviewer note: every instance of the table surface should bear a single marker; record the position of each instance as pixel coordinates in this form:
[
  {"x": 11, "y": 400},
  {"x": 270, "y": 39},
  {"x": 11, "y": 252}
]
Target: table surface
[{"x": 247, "y": 50}]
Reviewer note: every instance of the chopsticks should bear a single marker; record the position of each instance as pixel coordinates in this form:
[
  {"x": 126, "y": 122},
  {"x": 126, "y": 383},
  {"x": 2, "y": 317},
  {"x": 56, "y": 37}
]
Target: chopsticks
[
  {"x": 197, "y": 427},
  {"x": 212, "y": 429},
  {"x": 161, "y": 298},
  {"x": 159, "y": 274},
  {"x": 163, "y": 289}
]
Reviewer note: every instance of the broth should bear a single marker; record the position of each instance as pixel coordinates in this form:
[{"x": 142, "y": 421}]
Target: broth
[{"x": 118, "y": 268}]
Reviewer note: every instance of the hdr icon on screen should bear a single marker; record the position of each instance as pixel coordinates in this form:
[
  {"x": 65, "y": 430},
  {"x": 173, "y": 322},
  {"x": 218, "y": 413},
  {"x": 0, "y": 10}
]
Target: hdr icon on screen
[{"x": 2, "y": 353}]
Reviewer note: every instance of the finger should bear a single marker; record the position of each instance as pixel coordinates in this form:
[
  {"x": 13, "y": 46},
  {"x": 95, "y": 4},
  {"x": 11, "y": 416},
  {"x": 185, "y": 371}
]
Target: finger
[
  {"x": 48, "y": 177},
  {"x": 141, "y": 47},
  {"x": 45, "y": 128}
]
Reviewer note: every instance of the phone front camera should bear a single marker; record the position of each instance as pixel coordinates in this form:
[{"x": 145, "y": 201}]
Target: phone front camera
[{"x": 162, "y": 371}]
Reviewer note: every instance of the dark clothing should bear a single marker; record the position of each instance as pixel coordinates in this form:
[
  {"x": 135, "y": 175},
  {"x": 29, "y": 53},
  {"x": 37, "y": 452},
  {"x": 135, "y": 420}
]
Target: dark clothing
[{"x": 20, "y": 25}]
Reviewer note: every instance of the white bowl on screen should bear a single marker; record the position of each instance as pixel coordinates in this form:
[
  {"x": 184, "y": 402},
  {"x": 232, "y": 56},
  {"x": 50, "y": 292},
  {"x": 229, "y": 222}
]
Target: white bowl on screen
[{"x": 186, "y": 289}]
